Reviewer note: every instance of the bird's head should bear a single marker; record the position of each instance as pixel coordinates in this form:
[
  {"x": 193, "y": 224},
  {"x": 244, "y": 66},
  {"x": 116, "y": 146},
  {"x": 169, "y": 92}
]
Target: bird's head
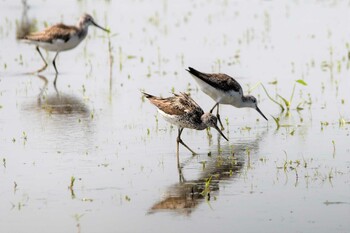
[
  {"x": 86, "y": 20},
  {"x": 211, "y": 121},
  {"x": 251, "y": 102}
]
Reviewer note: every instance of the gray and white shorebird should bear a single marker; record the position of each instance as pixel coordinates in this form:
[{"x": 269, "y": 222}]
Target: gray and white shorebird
[
  {"x": 60, "y": 37},
  {"x": 181, "y": 110},
  {"x": 224, "y": 89}
]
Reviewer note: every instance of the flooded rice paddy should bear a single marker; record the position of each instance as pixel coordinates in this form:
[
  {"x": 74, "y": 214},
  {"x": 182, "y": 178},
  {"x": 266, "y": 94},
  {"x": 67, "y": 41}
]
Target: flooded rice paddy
[{"x": 92, "y": 155}]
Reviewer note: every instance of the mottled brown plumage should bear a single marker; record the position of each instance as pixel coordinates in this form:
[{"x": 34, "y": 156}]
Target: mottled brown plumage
[
  {"x": 58, "y": 31},
  {"x": 60, "y": 37},
  {"x": 182, "y": 111},
  {"x": 179, "y": 104}
]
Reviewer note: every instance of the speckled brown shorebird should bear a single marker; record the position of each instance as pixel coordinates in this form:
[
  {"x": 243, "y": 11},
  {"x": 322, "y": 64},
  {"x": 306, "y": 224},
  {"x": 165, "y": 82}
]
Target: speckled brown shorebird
[
  {"x": 181, "y": 110},
  {"x": 60, "y": 37}
]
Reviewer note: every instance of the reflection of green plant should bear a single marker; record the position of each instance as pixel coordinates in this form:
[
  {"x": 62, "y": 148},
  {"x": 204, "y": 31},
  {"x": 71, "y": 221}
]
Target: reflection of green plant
[
  {"x": 206, "y": 191},
  {"x": 71, "y": 186},
  {"x": 72, "y": 180},
  {"x": 277, "y": 121},
  {"x": 343, "y": 122},
  {"x": 287, "y": 103}
]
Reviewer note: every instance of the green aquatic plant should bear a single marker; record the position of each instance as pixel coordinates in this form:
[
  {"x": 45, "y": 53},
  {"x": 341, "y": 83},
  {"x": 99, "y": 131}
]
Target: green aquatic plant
[
  {"x": 210, "y": 136},
  {"x": 83, "y": 89},
  {"x": 206, "y": 190},
  {"x": 231, "y": 173},
  {"x": 248, "y": 161},
  {"x": 227, "y": 122},
  {"x": 286, "y": 104},
  {"x": 71, "y": 187},
  {"x": 292, "y": 133},
  {"x": 324, "y": 123},
  {"x": 120, "y": 58},
  {"x": 77, "y": 217},
  {"x": 87, "y": 199},
  {"x": 72, "y": 180},
  {"x": 203, "y": 164},
  {"x": 343, "y": 122},
  {"x": 246, "y": 128},
  {"x": 188, "y": 89},
  {"x": 24, "y": 136},
  {"x": 281, "y": 106},
  {"x": 149, "y": 73}
]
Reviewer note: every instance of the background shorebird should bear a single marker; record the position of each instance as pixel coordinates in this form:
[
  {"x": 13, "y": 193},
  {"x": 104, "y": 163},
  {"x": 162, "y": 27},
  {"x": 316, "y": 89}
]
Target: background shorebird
[
  {"x": 61, "y": 37},
  {"x": 182, "y": 111},
  {"x": 224, "y": 89}
]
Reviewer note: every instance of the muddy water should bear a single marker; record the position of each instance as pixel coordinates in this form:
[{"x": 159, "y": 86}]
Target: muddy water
[{"x": 95, "y": 127}]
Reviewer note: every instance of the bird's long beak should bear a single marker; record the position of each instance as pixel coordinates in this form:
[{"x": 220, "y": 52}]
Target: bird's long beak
[
  {"x": 217, "y": 128},
  {"x": 96, "y": 25},
  {"x": 257, "y": 109}
]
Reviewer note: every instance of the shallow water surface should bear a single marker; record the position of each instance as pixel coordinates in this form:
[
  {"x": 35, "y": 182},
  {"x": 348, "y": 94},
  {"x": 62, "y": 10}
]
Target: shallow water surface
[{"x": 94, "y": 127}]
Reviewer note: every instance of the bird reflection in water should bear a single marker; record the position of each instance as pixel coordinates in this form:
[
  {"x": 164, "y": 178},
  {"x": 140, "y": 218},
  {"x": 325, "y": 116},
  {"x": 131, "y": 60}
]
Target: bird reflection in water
[
  {"x": 59, "y": 103},
  {"x": 186, "y": 195}
]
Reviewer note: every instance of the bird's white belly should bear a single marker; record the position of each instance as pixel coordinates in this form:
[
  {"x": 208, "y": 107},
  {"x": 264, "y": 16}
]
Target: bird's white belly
[
  {"x": 59, "y": 45},
  {"x": 219, "y": 96},
  {"x": 169, "y": 118},
  {"x": 177, "y": 120}
]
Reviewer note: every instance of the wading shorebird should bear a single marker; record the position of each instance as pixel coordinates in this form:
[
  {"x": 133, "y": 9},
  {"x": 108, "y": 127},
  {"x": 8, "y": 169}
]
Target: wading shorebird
[
  {"x": 60, "y": 37},
  {"x": 223, "y": 89},
  {"x": 181, "y": 110}
]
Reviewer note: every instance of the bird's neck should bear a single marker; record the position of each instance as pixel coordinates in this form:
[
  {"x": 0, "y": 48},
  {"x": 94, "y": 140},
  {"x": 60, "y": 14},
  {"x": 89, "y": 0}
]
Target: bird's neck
[
  {"x": 203, "y": 124},
  {"x": 243, "y": 103},
  {"x": 81, "y": 25},
  {"x": 82, "y": 30}
]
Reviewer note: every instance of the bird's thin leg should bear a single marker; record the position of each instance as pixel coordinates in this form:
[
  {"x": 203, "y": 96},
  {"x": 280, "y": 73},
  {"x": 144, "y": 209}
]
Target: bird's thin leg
[
  {"x": 180, "y": 141},
  {"x": 42, "y": 89},
  {"x": 42, "y": 57},
  {"x": 181, "y": 176},
  {"x": 54, "y": 85},
  {"x": 211, "y": 110},
  {"x": 218, "y": 116},
  {"x": 54, "y": 62},
  {"x": 55, "y": 81},
  {"x": 177, "y": 148}
]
